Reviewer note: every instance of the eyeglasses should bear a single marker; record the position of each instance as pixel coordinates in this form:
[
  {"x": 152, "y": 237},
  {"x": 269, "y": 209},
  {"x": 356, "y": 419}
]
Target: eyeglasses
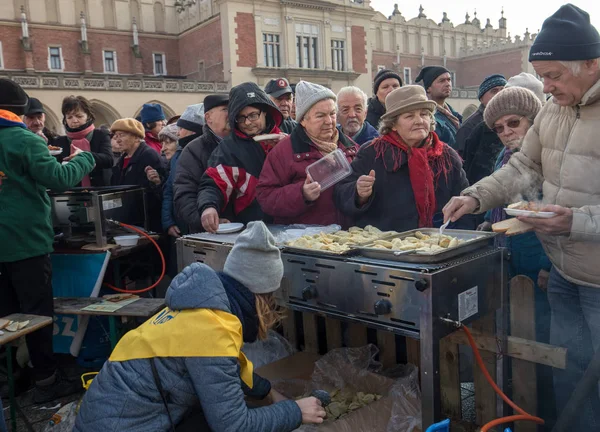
[
  {"x": 252, "y": 117},
  {"x": 513, "y": 124}
]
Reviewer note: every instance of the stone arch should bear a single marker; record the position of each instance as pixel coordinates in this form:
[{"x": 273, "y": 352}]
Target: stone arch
[
  {"x": 53, "y": 121},
  {"x": 159, "y": 17},
  {"x": 103, "y": 112},
  {"x": 169, "y": 112}
]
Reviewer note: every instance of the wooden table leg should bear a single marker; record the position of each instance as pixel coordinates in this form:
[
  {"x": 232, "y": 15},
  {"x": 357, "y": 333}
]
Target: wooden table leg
[{"x": 11, "y": 388}]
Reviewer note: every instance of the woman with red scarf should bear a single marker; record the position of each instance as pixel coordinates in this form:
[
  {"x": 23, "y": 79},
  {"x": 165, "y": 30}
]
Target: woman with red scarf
[
  {"x": 78, "y": 120},
  {"x": 403, "y": 179}
]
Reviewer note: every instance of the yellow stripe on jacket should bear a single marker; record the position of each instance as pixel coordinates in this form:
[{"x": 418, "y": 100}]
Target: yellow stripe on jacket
[{"x": 187, "y": 333}]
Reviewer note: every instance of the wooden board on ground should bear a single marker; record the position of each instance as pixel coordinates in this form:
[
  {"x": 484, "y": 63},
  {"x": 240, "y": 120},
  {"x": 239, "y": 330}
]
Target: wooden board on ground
[
  {"x": 386, "y": 342},
  {"x": 524, "y": 379},
  {"x": 289, "y": 327},
  {"x": 144, "y": 307},
  {"x": 357, "y": 335},
  {"x": 333, "y": 333},
  {"x": 485, "y": 397},
  {"x": 311, "y": 334},
  {"x": 35, "y": 322},
  {"x": 450, "y": 379},
  {"x": 413, "y": 351}
]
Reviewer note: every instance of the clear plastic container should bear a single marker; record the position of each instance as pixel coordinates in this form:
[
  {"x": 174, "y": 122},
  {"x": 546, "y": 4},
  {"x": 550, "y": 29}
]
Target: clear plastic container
[{"x": 330, "y": 169}]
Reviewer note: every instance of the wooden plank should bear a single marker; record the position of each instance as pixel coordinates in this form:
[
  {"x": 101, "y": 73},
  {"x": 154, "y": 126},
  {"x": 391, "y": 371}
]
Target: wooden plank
[
  {"x": 143, "y": 307},
  {"x": 413, "y": 352},
  {"x": 36, "y": 322},
  {"x": 386, "y": 342},
  {"x": 524, "y": 379},
  {"x": 450, "y": 379},
  {"x": 357, "y": 335},
  {"x": 333, "y": 329},
  {"x": 519, "y": 348},
  {"x": 311, "y": 334},
  {"x": 289, "y": 327},
  {"x": 485, "y": 397}
]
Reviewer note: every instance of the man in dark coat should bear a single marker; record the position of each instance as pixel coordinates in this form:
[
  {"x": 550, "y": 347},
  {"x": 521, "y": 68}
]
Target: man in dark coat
[
  {"x": 282, "y": 96},
  {"x": 490, "y": 86},
  {"x": 229, "y": 184},
  {"x": 194, "y": 160}
]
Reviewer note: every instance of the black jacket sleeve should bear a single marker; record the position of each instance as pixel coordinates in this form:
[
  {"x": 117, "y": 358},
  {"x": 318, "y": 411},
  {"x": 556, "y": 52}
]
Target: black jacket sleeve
[
  {"x": 209, "y": 193},
  {"x": 101, "y": 150},
  {"x": 186, "y": 186},
  {"x": 345, "y": 195}
]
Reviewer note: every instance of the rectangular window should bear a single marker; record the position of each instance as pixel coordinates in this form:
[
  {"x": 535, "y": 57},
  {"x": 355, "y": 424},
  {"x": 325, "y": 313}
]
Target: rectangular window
[
  {"x": 110, "y": 62},
  {"x": 407, "y": 76},
  {"x": 453, "y": 78},
  {"x": 337, "y": 55},
  {"x": 55, "y": 61},
  {"x": 271, "y": 48},
  {"x": 307, "y": 43},
  {"x": 160, "y": 64}
]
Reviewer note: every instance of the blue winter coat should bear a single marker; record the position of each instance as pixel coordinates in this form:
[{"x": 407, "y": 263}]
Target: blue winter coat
[
  {"x": 124, "y": 396},
  {"x": 167, "y": 210},
  {"x": 366, "y": 134},
  {"x": 445, "y": 129}
]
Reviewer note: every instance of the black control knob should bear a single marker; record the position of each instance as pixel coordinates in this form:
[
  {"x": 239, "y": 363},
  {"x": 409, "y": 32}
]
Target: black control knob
[
  {"x": 383, "y": 307},
  {"x": 421, "y": 285},
  {"x": 309, "y": 293}
]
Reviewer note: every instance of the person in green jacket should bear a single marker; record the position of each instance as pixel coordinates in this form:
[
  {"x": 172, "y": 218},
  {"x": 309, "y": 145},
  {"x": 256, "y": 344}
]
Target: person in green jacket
[{"x": 26, "y": 170}]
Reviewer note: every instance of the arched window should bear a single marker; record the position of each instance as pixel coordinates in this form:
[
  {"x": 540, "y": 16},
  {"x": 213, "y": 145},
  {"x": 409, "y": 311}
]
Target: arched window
[{"x": 159, "y": 17}]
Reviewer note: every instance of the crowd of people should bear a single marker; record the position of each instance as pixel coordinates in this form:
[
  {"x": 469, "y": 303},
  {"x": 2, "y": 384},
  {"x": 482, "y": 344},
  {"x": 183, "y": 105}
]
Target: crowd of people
[{"x": 243, "y": 157}]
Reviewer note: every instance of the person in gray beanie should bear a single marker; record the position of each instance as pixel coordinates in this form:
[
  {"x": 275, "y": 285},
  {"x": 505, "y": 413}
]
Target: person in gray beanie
[
  {"x": 284, "y": 191},
  {"x": 560, "y": 155},
  {"x": 192, "y": 349},
  {"x": 191, "y": 123},
  {"x": 530, "y": 82}
]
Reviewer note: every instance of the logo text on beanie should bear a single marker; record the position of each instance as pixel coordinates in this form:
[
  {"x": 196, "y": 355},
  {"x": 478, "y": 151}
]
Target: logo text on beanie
[
  {"x": 542, "y": 53},
  {"x": 251, "y": 95}
]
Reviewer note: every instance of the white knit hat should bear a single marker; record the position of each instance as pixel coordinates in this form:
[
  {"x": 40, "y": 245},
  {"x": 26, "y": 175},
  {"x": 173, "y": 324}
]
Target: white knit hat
[
  {"x": 528, "y": 81},
  {"x": 255, "y": 261},
  {"x": 308, "y": 94}
]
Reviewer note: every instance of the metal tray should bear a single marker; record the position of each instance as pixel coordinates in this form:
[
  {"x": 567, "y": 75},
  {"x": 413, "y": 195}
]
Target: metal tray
[{"x": 474, "y": 240}]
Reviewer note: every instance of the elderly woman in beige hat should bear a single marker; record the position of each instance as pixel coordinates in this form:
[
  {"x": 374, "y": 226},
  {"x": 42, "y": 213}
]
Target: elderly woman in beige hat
[{"x": 403, "y": 179}]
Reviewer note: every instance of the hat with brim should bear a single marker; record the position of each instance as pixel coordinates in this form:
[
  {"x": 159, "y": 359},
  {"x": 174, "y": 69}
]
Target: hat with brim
[
  {"x": 278, "y": 87},
  {"x": 405, "y": 99}
]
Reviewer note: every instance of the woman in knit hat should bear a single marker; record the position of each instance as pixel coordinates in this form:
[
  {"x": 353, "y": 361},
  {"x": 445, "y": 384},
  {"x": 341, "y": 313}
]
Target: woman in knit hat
[
  {"x": 284, "y": 191},
  {"x": 137, "y": 158},
  {"x": 402, "y": 180},
  {"x": 192, "y": 351},
  {"x": 385, "y": 82},
  {"x": 153, "y": 118},
  {"x": 78, "y": 120}
]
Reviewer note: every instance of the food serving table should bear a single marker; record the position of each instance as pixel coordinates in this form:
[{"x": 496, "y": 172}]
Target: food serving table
[{"x": 407, "y": 298}]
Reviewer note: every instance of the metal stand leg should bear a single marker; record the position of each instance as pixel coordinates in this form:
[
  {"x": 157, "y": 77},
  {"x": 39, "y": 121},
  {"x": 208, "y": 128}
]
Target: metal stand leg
[
  {"x": 431, "y": 399},
  {"x": 114, "y": 338},
  {"x": 11, "y": 388}
]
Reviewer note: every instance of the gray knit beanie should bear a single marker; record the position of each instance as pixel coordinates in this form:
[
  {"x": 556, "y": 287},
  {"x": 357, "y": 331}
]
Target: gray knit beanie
[
  {"x": 528, "y": 81},
  {"x": 512, "y": 100},
  {"x": 192, "y": 118},
  {"x": 170, "y": 132},
  {"x": 308, "y": 94},
  {"x": 255, "y": 261}
]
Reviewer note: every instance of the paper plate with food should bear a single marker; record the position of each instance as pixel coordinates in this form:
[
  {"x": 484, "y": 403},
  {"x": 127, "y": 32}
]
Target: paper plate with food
[
  {"x": 528, "y": 209},
  {"x": 55, "y": 150}
]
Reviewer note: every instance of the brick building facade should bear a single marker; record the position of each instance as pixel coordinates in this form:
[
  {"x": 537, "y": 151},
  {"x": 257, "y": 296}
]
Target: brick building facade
[{"x": 123, "y": 53}]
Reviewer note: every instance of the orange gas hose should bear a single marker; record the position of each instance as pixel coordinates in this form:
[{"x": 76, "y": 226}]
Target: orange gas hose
[
  {"x": 523, "y": 415},
  {"x": 162, "y": 259}
]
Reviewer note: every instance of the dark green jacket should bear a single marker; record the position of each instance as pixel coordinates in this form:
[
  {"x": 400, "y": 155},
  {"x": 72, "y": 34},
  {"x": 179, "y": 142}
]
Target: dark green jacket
[{"x": 26, "y": 170}]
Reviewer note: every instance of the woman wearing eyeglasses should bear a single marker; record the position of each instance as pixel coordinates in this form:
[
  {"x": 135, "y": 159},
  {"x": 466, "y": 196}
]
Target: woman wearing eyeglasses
[{"x": 228, "y": 187}]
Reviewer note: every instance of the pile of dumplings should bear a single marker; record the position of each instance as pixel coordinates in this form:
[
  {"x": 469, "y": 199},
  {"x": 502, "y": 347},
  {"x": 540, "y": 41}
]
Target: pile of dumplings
[
  {"x": 340, "y": 241},
  {"x": 419, "y": 243}
]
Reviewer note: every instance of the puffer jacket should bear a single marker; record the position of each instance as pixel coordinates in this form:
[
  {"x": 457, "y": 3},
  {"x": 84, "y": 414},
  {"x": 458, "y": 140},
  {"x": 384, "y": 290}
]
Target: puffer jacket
[
  {"x": 195, "y": 343},
  {"x": 560, "y": 153}
]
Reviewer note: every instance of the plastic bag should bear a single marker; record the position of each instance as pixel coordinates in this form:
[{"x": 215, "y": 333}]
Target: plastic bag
[
  {"x": 399, "y": 410},
  {"x": 64, "y": 419},
  {"x": 274, "y": 348},
  {"x": 292, "y": 232}
]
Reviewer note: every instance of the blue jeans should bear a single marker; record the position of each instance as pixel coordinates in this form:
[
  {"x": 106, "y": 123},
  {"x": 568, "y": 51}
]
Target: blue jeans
[{"x": 575, "y": 326}]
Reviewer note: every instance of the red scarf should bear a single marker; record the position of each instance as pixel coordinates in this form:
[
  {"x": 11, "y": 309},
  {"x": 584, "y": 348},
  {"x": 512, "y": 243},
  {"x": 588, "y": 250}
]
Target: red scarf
[
  {"x": 425, "y": 165},
  {"x": 79, "y": 140},
  {"x": 153, "y": 142}
]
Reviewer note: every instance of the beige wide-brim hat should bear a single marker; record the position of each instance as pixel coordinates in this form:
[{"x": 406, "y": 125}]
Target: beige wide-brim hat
[{"x": 405, "y": 99}]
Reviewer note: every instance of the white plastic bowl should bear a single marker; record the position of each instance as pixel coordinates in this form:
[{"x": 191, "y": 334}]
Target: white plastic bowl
[{"x": 127, "y": 240}]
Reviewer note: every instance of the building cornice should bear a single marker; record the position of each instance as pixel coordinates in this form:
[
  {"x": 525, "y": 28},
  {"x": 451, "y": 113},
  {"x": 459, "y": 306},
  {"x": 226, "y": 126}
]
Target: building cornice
[{"x": 296, "y": 73}]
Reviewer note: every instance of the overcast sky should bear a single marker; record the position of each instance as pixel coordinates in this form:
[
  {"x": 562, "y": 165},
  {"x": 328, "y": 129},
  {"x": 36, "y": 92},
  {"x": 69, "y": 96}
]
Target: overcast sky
[{"x": 521, "y": 14}]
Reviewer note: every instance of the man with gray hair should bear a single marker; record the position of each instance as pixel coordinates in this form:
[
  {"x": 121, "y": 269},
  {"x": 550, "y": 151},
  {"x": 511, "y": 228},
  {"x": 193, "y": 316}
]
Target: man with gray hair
[
  {"x": 561, "y": 154},
  {"x": 352, "y": 113}
]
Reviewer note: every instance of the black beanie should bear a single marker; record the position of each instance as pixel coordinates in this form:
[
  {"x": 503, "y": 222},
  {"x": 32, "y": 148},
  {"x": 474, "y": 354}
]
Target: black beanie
[
  {"x": 12, "y": 97},
  {"x": 567, "y": 35},
  {"x": 429, "y": 74},
  {"x": 382, "y": 75}
]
